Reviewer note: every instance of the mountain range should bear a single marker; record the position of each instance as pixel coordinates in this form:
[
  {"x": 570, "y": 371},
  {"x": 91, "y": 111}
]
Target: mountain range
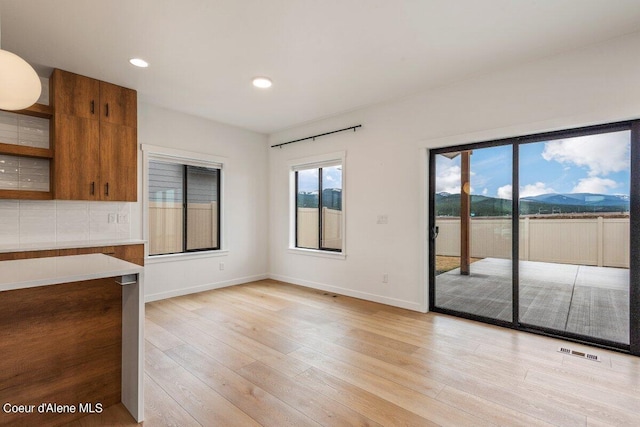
[{"x": 554, "y": 203}]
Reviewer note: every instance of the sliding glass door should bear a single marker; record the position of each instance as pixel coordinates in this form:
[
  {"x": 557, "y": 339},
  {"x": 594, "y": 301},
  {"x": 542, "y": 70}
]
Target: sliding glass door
[
  {"x": 472, "y": 232},
  {"x": 565, "y": 205}
]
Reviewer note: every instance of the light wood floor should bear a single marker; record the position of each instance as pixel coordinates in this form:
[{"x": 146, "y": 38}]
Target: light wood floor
[{"x": 273, "y": 354}]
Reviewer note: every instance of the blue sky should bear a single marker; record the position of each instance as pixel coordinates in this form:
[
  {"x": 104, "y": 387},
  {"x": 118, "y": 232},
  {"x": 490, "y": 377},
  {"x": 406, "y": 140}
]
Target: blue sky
[
  {"x": 308, "y": 179},
  {"x": 587, "y": 164}
]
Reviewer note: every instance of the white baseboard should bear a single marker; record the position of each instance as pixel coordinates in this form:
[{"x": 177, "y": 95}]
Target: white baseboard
[
  {"x": 409, "y": 305},
  {"x": 202, "y": 288}
]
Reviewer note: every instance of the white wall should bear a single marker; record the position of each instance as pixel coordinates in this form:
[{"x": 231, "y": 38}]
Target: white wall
[
  {"x": 386, "y": 159},
  {"x": 244, "y": 209}
]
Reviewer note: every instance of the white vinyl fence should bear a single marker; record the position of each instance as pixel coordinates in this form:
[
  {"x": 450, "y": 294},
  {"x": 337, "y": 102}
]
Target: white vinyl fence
[
  {"x": 166, "y": 226},
  {"x": 598, "y": 241},
  {"x": 308, "y": 228}
]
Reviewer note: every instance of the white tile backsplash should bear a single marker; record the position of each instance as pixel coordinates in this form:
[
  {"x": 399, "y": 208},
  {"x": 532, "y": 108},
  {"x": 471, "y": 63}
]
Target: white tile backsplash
[
  {"x": 37, "y": 225},
  {"x": 72, "y": 224},
  {"x": 24, "y": 173},
  {"x": 37, "y": 205},
  {"x": 9, "y": 222},
  {"x": 72, "y": 205},
  {"x": 18, "y": 129},
  {"x": 33, "y": 131},
  {"x": 52, "y": 221},
  {"x": 33, "y": 174},
  {"x": 100, "y": 228},
  {"x": 124, "y": 231},
  {"x": 8, "y": 127},
  {"x": 9, "y": 176},
  {"x": 9, "y": 204},
  {"x": 8, "y": 136}
]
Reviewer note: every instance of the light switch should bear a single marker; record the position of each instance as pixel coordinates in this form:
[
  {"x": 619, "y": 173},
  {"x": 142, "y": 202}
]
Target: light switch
[{"x": 383, "y": 219}]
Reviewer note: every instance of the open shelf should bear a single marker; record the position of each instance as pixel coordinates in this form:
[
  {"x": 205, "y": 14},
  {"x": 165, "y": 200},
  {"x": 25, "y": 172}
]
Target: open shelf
[
  {"x": 26, "y": 194},
  {"x": 36, "y": 110},
  {"x": 22, "y": 150}
]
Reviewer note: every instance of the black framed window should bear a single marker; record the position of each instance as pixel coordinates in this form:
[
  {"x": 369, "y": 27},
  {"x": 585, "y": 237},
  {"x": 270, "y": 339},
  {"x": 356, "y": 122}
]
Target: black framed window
[
  {"x": 184, "y": 208},
  {"x": 319, "y": 208}
]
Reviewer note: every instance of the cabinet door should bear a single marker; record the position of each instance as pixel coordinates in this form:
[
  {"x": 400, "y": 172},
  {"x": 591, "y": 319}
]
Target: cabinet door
[
  {"x": 76, "y": 158},
  {"x": 75, "y": 95},
  {"x": 118, "y": 162},
  {"x": 118, "y": 105}
]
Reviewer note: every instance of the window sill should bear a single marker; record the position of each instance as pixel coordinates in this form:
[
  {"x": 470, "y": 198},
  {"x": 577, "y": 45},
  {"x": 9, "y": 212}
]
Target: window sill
[
  {"x": 318, "y": 253},
  {"x": 160, "y": 259}
]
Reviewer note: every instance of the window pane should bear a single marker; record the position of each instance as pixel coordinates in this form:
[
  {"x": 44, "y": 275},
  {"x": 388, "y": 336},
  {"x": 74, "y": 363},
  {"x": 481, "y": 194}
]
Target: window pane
[
  {"x": 307, "y": 220},
  {"x": 202, "y": 208},
  {"x": 473, "y": 215},
  {"x": 165, "y": 208},
  {"x": 574, "y": 235},
  {"x": 332, "y": 208}
]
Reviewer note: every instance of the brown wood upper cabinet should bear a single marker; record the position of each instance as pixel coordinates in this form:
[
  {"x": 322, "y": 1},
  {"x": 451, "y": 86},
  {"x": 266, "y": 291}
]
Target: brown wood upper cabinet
[
  {"x": 118, "y": 105},
  {"x": 94, "y": 139}
]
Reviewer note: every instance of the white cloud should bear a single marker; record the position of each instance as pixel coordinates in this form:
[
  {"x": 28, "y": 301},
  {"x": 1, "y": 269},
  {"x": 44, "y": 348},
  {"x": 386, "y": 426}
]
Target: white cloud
[
  {"x": 448, "y": 178},
  {"x": 536, "y": 189},
  {"x": 601, "y": 154},
  {"x": 594, "y": 184},
  {"x": 485, "y": 191},
  {"x": 505, "y": 192}
]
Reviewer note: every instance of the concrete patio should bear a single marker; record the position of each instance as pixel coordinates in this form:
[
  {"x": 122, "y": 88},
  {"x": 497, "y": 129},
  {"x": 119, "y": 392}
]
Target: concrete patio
[{"x": 591, "y": 301}]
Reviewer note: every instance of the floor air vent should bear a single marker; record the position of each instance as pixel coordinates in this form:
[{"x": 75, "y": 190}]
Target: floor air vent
[{"x": 588, "y": 356}]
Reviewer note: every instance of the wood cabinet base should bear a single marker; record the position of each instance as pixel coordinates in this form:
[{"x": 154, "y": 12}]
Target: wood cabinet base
[{"x": 60, "y": 345}]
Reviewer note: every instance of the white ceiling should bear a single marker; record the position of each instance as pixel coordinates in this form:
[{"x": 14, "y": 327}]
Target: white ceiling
[{"x": 325, "y": 57}]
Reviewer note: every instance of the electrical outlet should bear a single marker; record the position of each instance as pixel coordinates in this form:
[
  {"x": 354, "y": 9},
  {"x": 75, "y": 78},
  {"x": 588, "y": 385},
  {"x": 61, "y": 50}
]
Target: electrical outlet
[
  {"x": 385, "y": 278},
  {"x": 383, "y": 219},
  {"x": 123, "y": 219},
  {"x": 111, "y": 219},
  {"x": 221, "y": 266}
]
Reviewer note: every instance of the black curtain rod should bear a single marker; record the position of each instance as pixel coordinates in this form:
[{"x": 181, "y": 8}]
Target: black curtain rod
[{"x": 317, "y": 136}]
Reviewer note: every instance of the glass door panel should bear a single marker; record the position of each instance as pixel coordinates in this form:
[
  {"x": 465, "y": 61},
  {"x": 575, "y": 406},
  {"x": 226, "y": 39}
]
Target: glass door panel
[
  {"x": 473, "y": 236},
  {"x": 574, "y": 235}
]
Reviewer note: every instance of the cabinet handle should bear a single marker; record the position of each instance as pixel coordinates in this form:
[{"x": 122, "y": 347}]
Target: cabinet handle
[
  {"x": 93, "y": 106},
  {"x": 106, "y": 189},
  {"x": 93, "y": 188},
  {"x": 107, "y": 105}
]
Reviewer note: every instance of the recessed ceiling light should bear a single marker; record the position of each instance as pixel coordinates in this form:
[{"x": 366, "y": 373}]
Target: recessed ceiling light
[
  {"x": 262, "y": 82},
  {"x": 139, "y": 62}
]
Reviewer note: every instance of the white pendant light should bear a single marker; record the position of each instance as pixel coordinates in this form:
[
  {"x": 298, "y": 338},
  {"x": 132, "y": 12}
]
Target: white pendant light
[{"x": 19, "y": 84}]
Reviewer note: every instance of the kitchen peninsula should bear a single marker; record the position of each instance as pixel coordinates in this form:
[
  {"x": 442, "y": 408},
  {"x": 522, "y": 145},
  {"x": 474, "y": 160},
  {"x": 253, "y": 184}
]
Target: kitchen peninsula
[{"x": 71, "y": 335}]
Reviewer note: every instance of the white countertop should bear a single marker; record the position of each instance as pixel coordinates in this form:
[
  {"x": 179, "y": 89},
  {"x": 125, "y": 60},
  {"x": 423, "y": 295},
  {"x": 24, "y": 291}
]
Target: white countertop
[
  {"x": 29, "y": 273},
  {"x": 26, "y": 247}
]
